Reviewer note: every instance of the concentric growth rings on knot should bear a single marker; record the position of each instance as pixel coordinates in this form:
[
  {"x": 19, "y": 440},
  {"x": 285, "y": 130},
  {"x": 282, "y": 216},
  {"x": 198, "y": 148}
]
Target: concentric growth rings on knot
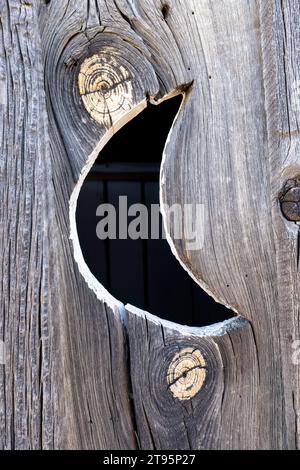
[
  {"x": 186, "y": 373},
  {"x": 105, "y": 87}
]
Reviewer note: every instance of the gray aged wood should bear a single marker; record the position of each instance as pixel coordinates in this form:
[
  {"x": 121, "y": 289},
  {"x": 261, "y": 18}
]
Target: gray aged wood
[{"x": 82, "y": 370}]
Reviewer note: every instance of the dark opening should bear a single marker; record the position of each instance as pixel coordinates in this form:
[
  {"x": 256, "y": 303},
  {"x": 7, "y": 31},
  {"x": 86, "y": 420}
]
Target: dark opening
[{"x": 143, "y": 273}]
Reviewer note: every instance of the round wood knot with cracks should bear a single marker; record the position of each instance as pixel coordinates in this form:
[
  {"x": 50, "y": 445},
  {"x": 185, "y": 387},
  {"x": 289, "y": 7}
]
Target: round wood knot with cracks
[
  {"x": 186, "y": 373},
  {"x": 290, "y": 200},
  {"x": 105, "y": 87}
]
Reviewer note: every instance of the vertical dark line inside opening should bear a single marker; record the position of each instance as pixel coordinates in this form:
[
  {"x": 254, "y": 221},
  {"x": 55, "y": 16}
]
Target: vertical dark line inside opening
[
  {"x": 145, "y": 253},
  {"x": 106, "y": 243}
]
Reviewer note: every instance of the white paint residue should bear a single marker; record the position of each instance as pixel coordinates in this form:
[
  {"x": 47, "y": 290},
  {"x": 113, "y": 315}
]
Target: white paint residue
[
  {"x": 217, "y": 329},
  {"x": 2, "y": 353},
  {"x": 3, "y": 92}
]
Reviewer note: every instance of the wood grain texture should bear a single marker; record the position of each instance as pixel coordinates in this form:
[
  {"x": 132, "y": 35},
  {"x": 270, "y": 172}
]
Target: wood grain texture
[
  {"x": 82, "y": 371},
  {"x": 218, "y": 415},
  {"x": 27, "y": 381},
  {"x": 280, "y": 46}
]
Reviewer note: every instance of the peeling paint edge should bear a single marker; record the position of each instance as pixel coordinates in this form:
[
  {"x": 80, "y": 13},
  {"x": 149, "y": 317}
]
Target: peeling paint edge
[{"x": 216, "y": 329}]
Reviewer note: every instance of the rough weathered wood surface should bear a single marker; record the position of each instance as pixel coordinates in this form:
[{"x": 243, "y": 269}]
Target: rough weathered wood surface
[{"x": 83, "y": 371}]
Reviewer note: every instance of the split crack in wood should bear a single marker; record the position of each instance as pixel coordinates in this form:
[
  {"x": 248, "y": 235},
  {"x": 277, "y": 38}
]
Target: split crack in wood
[
  {"x": 104, "y": 90},
  {"x": 185, "y": 373}
]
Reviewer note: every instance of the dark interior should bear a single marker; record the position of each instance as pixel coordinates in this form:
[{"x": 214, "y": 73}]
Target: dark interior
[{"x": 144, "y": 273}]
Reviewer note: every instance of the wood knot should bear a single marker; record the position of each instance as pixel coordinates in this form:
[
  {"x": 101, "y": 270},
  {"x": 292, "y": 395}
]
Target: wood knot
[
  {"x": 290, "y": 200},
  {"x": 105, "y": 87},
  {"x": 186, "y": 373}
]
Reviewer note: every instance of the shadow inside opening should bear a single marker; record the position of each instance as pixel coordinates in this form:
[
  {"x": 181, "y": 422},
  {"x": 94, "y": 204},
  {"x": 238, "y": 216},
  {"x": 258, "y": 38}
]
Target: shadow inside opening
[{"x": 143, "y": 273}]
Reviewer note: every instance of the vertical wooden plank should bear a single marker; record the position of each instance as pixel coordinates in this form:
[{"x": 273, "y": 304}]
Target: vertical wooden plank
[
  {"x": 281, "y": 68},
  {"x": 94, "y": 408},
  {"x": 223, "y": 162},
  {"x": 28, "y": 379}
]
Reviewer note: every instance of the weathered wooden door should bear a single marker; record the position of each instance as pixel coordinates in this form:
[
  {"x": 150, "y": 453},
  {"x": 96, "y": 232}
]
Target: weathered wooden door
[{"x": 81, "y": 370}]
